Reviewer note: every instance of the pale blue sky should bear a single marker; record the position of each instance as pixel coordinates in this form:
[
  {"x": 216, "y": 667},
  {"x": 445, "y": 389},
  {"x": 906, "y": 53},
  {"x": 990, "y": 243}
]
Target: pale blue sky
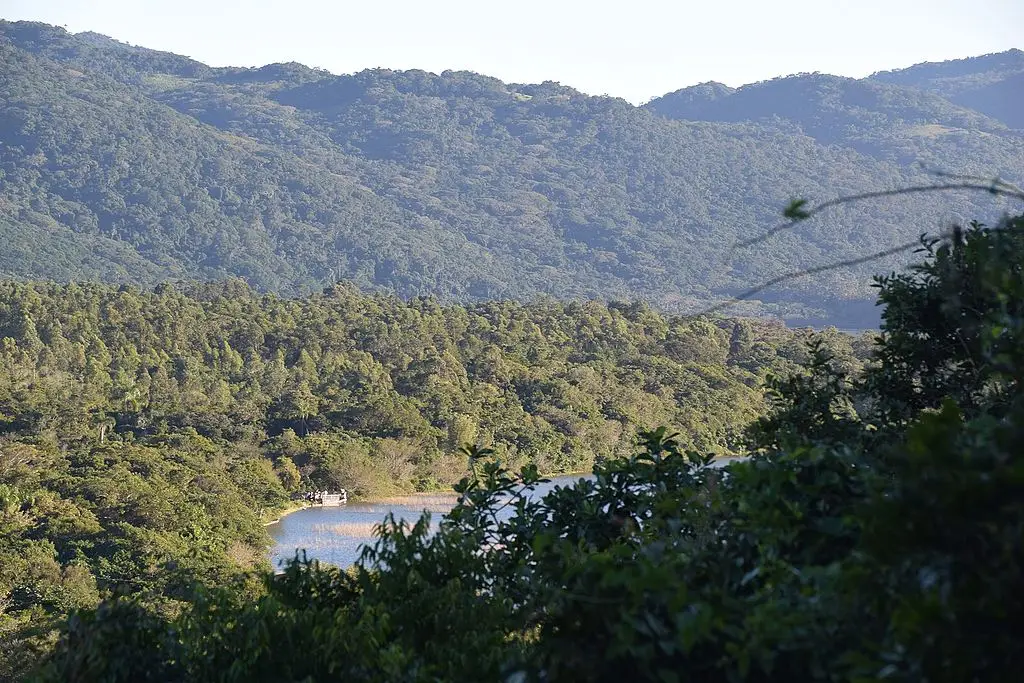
[{"x": 636, "y": 49}]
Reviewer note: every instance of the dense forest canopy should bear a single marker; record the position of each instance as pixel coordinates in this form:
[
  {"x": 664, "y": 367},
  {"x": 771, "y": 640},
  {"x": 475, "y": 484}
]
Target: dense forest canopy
[
  {"x": 873, "y": 535},
  {"x": 146, "y": 434},
  {"x": 130, "y": 165},
  {"x": 528, "y": 379},
  {"x": 990, "y": 84}
]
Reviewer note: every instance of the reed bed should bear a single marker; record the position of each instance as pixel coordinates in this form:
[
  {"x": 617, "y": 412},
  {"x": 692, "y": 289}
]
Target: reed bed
[
  {"x": 351, "y": 529},
  {"x": 420, "y": 500}
]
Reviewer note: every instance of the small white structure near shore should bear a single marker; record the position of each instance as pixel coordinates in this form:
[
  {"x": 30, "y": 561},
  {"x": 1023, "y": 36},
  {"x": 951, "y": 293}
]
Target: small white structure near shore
[
  {"x": 328, "y": 498},
  {"x": 339, "y": 498}
]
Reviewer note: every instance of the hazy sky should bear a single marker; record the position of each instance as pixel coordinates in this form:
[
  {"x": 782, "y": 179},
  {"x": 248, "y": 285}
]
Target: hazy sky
[{"x": 636, "y": 49}]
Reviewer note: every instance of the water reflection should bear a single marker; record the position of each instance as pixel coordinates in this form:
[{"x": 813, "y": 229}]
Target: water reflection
[{"x": 336, "y": 534}]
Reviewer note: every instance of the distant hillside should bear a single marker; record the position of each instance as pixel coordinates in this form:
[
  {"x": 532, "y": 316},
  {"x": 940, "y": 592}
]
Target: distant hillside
[
  {"x": 992, "y": 84},
  {"x": 885, "y": 121},
  {"x": 126, "y": 164}
]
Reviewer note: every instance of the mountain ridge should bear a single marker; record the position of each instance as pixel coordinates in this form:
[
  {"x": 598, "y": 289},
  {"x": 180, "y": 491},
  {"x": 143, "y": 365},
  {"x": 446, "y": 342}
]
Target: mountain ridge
[{"x": 455, "y": 185}]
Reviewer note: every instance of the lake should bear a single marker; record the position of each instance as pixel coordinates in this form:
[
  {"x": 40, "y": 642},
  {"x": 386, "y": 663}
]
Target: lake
[{"x": 335, "y": 535}]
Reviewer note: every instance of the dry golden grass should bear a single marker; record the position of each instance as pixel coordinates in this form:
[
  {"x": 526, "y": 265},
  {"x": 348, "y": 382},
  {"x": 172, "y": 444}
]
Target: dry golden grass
[
  {"x": 432, "y": 502},
  {"x": 350, "y": 529},
  {"x": 244, "y": 555},
  {"x": 930, "y": 130}
]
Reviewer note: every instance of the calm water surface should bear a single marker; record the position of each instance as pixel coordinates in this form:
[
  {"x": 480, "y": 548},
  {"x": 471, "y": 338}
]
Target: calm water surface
[{"x": 336, "y": 534}]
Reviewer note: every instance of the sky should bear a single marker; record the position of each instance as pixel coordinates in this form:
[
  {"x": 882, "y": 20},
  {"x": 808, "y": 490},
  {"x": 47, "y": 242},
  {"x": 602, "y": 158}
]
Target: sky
[{"x": 635, "y": 49}]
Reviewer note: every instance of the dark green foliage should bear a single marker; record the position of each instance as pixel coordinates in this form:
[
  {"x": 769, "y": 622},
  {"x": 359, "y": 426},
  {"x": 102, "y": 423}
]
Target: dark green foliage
[
  {"x": 830, "y": 555},
  {"x": 145, "y": 435},
  {"x": 79, "y": 521},
  {"x": 135, "y": 640},
  {"x": 969, "y": 315},
  {"x": 131, "y": 165}
]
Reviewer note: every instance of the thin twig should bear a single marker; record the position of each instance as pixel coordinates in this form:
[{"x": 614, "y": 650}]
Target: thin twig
[
  {"x": 812, "y": 271},
  {"x": 922, "y": 241},
  {"x": 939, "y": 173},
  {"x": 996, "y": 187}
]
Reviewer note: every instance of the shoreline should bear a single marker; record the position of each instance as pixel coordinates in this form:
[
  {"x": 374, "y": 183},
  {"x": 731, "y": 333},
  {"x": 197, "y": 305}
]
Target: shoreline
[
  {"x": 302, "y": 505},
  {"x": 295, "y": 506}
]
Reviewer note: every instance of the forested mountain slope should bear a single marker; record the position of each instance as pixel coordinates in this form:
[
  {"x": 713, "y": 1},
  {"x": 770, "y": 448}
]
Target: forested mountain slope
[
  {"x": 992, "y": 84},
  {"x": 141, "y": 166},
  {"x": 891, "y": 123}
]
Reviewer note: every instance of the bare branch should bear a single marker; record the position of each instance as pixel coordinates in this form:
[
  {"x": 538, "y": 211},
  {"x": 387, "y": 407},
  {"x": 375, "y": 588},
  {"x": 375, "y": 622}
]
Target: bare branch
[
  {"x": 939, "y": 173},
  {"x": 922, "y": 241},
  {"x": 996, "y": 187},
  {"x": 813, "y": 271}
]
